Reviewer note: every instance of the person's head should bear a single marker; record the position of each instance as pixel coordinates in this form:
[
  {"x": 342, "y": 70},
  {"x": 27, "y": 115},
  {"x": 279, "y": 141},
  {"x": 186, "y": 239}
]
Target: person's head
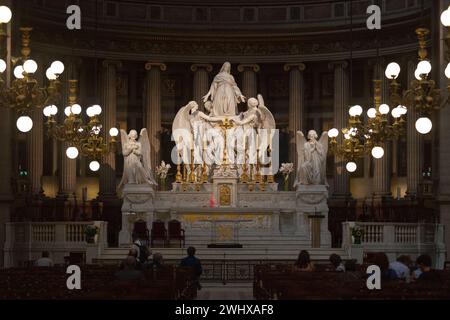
[
  {"x": 382, "y": 261},
  {"x": 424, "y": 262},
  {"x": 406, "y": 260},
  {"x": 303, "y": 259},
  {"x": 252, "y": 103},
  {"x": 133, "y": 253},
  {"x": 129, "y": 263},
  {"x": 208, "y": 106},
  {"x": 312, "y": 134},
  {"x": 45, "y": 254},
  {"x": 193, "y": 106},
  {"x": 226, "y": 67},
  {"x": 138, "y": 242},
  {"x": 158, "y": 258},
  {"x": 191, "y": 251},
  {"x": 335, "y": 260},
  {"x": 133, "y": 135}
]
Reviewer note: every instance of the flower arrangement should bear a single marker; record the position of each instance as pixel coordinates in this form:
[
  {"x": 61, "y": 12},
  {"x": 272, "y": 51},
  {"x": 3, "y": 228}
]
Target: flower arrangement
[
  {"x": 162, "y": 172},
  {"x": 357, "y": 234},
  {"x": 90, "y": 232},
  {"x": 286, "y": 169}
]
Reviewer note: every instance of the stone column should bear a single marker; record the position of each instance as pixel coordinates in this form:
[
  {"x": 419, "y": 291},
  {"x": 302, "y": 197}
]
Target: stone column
[
  {"x": 201, "y": 81},
  {"x": 109, "y": 106},
  {"x": 249, "y": 81},
  {"x": 382, "y": 167},
  {"x": 341, "y": 98},
  {"x": 67, "y": 167},
  {"x": 152, "y": 108},
  {"x": 296, "y": 105},
  {"x": 414, "y": 144}
]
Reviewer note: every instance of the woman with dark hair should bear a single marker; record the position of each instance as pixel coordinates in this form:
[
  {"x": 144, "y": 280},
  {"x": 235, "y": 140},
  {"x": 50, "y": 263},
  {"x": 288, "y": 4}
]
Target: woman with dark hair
[{"x": 303, "y": 262}]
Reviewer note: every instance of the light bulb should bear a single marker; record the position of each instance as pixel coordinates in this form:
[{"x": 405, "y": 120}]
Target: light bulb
[
  {"x": 372, "y": 113},
  {"x": 18, "y": 72},
  {"x": 384, "y": 109},
  {"x": 402, "y": 109},
  {"x": 5, "y": 14},
  {"x": 424, "y": 67},
  {"x": 333, "y": 133},
  {"x": 355, "y": 111},
  {"x": 57, "y": 67},
  {"x": 53, "y": 110},
  {"x": 24, "y": 124},
  {"x": 417, "y": 75},
  {"x": 377, "y": 152},
  {"x": 2, "y": 65},
  {"x": 50, "y": 74},
  {"x": 424, "y": 125},
  {"x": 68, "y": 111},
  {"x": 72, "y": 152},
  {"x": 346, "y": 136},
  {"x": 94, "y": 166},
  {"x": 445, "y": 18},
  {"x": 395, "y": 113},
  {"x": 47, "y": 111},
  {"x": 90, "y": 112},
  {"x": 392, "y": 70},
  {"x": 76, "y": 109},
  {"x": 447, "y": 71},
  {"x": 351, "y": 166},
  {"x": 96, "y": 109},
  {"x": 30, "y": 66},
  {"x": 113, "y": 132}
]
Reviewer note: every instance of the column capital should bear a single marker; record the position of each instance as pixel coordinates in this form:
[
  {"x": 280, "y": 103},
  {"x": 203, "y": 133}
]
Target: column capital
[
  {"x": 108, "y": 62},
  {"x": 243, "y": 66},
  {"x": 343, "y": 64},
  {"x": 293, "y": 66},
  {"x": 150, "y": 64},
  {"x": 196, "y": 66}
]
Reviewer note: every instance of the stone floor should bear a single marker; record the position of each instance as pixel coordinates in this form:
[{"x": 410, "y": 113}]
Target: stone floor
[{"x": 230, "y": 291}]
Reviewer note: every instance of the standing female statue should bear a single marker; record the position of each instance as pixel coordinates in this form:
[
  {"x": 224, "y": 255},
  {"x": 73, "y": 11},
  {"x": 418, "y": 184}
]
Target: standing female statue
[
  {"x": 136, "y": 153},
  {"x": 224, "y": 93}
]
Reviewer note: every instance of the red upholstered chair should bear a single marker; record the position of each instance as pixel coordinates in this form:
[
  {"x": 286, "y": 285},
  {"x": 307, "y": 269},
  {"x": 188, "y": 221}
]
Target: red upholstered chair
[
  {"x": 140, "y": 231},
  {"x": 159, "y": 232},
  {"x": 175, "y": 231}
]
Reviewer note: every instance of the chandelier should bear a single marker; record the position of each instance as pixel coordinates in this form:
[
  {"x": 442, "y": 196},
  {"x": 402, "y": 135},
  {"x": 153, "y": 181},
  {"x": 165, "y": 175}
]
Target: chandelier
[
  {"x": 24, "y": 94},
  {"x": 84, "y": 138}
]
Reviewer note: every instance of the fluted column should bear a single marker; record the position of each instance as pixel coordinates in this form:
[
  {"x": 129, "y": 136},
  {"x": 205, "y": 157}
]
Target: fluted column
[
  {"x": 67, "y": 167},
  {"x": 296, "y": 105},
  {"x": 382, "y": 167},
  {"x": 341, "y": 97},
  {"x": 201, "y": 81},
  {"x": 152, "y": 108},
  {"x": 414, "y": 144},
  {"x": 249, "y": 81},
  {"x": 109, "y": 108}
]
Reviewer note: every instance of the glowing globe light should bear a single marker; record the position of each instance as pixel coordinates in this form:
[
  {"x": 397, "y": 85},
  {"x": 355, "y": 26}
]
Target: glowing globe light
[
  {"x": 424, "y": 125},
  {"x": 72, "y": 152},
  {"x": 333, "y": 133},
  {"x": 18, "y": 72},
  {"x": 424, "y": 67},
  {"x": 53, "y": 110},
  {"x": 445, "y": 18},
  {"x": 24, "y": 124},
  {"x": 347, "y": 136},
  {"x": 30, "y": 66},
  {"x": 94, "y": 166},
  {"x": 372, "y": 113},
  {"x": 50, "y": 74},
  {"x": 76, "y": 109},
  {"x": 392, "y": 70},
  {"x": 90, "y": 112},
  {"x": 355, "y": 111},
  {"x": 5, "y": 14},
  {"x": 351, "y": 166},
  {"x": 447, "y": 71},
  {"x": 113, "y": 132},
  {"x": 57, "y": 67},
  {"x": 377, "y": 152},
  {"x": 2, "y": 65},
  {"x": 96, "y": 109},
  {"x": 402, "y": 109},
  {"x": 47, "y": 111},
  {"x": 384, "y": 109},
  {"x": 396, "y": 113},
  {"x": 68, "y": 111}
]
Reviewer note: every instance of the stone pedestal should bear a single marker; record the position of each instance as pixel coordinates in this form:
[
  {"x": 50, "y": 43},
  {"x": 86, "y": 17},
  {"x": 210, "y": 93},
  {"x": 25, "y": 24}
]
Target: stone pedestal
[{"x": 138, "y": 200}]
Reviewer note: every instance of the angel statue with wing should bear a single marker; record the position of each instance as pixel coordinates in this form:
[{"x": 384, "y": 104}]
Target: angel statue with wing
[
  {"x": 136, "y": 153},
  {"x": 312, "y": 158}
]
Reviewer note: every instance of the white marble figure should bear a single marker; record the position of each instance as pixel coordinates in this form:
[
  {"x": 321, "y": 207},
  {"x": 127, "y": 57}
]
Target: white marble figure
[
  {"x": 136, "y": 153},
  {"x": 312, "y": 158},
  {"x": 224, "y": 93}
]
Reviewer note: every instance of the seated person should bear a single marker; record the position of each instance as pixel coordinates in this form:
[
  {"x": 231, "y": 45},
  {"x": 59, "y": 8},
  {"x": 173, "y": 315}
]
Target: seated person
[
  {"x": 401, "y": 267},
  {"x": 129, "y": 272},
  {"x": 44, "y": 261},
  {"x": 142, "y": 251},
  {"x": 192, "y": 261},
  {"x": 382, "y": 261},
  {"x": 133, "y": 254},
  {"x": 157, "y": 262},
  {"x": 303, "y": 262},
  {"x": 427, "y": 273},
  {"x": 336, "y": 261}
]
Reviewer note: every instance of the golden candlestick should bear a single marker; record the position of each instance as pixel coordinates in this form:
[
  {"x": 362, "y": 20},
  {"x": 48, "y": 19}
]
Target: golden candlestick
[
  {"x": 205, "y": 173},
  {"x": 270, "y": 178},
  {"x": 192, "y": 173},
  {"x": 178, "y": 177}
]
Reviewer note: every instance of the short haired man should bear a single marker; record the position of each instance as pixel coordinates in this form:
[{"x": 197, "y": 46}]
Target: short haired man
[{"x": 194, "y": 262}]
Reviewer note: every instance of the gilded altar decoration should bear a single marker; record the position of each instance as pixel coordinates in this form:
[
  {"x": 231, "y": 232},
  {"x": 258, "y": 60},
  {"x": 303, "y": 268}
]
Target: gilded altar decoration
[{"x": 225, "y": 195}]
